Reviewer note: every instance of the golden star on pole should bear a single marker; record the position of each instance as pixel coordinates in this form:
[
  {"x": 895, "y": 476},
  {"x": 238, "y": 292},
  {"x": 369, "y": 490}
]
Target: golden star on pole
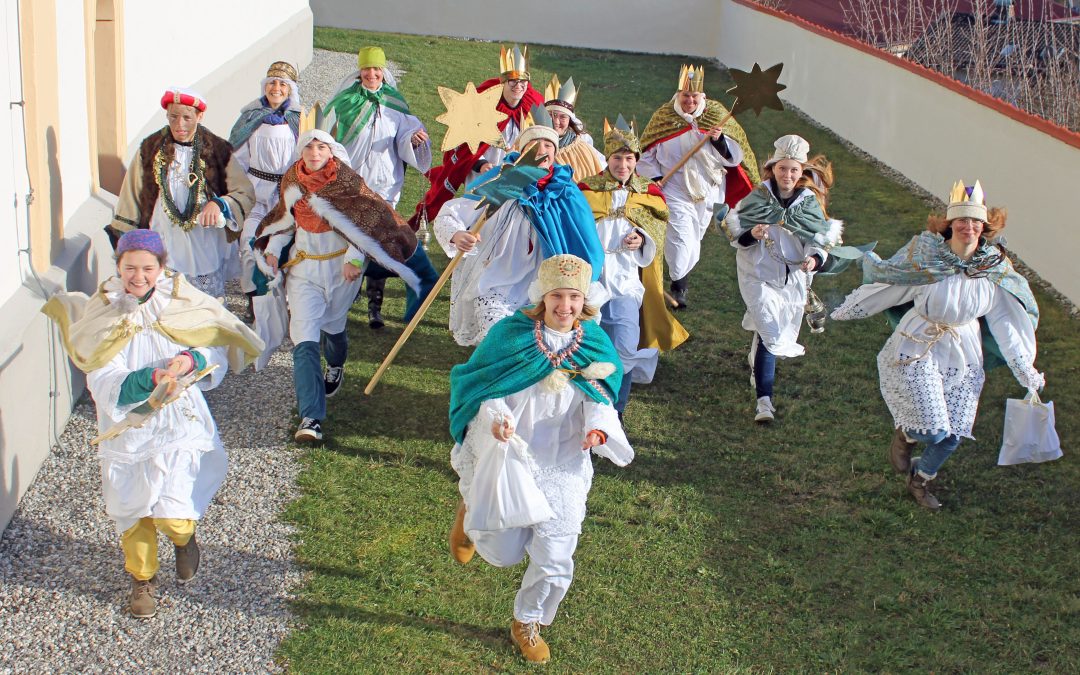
[
  {"x": 757, "y": 89},
  {"x": 471, "y": 117}
]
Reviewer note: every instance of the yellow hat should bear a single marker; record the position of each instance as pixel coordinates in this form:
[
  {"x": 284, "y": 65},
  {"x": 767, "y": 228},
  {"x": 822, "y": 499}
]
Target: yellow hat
[
  {"x": 564, "y": 271},
  {"x": 371, "y": 57}
]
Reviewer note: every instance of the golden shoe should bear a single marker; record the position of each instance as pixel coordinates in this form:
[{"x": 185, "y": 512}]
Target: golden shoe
[
  {"x": 461, "y": 547},
  {"x": 527, "y": 638}
]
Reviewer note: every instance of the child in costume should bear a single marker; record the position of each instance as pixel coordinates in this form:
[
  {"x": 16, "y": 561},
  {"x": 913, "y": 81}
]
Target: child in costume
[
  {"x": 143, "y": 329},
  {"x": 539, "y": 389},
  {"x": 712, "y": 176},
  {"x": 329, "y": 219},
  {"x": 783, "y": 238},
  {"x": 626, "y": 207},
  {"x": 382, "y": 137},
  {"x": 263, "y": 140},
  {"x": 544, "y": 217},
  {"x": 951, "y": 293},
  {"x": 575, "y": 145},
  {"x": 186, "y": 185}
]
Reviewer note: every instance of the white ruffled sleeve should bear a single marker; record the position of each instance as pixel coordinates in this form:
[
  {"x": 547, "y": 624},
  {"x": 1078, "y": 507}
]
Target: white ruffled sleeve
[
  {"x": 1011, "y": 327},
  {"x": 454, "y": 216},
  {"x": 870, "y": 299},
  {"x": 602, "y": 417}
]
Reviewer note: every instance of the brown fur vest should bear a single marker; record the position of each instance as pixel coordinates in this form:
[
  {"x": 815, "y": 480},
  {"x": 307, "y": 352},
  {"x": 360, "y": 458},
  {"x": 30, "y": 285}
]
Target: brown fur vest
[{"x": 215, "y": 153}]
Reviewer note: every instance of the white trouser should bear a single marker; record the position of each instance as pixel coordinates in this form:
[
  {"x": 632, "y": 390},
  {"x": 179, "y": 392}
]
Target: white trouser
[
  {"x": 686, "y": 228},
  {"x": 550, "y": 571}
]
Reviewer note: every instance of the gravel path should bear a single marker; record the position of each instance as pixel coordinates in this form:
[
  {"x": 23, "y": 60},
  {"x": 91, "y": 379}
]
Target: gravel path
[{"x": 63, "y": 588}]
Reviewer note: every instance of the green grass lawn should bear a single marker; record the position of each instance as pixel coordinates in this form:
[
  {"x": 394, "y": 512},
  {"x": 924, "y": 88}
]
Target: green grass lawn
[{"x": 724, "y": 547}]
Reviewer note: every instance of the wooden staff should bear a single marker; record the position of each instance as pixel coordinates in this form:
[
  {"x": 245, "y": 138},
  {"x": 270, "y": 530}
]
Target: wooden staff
[
  {"x": 423, "y": 309},
  {"x": 693, "y": 151}
]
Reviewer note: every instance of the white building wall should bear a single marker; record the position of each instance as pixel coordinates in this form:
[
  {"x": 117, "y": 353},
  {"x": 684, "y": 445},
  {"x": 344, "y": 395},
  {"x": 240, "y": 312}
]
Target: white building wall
[
  {"x": 74, "y": 134},
  {"x": 13, "y": 180},
  {"x": 223, "y": 56}
]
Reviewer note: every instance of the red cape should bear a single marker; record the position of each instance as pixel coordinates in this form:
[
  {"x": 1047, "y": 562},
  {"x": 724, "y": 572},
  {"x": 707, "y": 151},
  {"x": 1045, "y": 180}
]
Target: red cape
[{"x": 458, "y": 163}]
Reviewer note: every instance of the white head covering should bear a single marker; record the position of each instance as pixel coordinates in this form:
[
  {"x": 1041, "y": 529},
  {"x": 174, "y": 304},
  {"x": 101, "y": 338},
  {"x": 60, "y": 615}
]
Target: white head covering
[
  {"x": 294, "y": 91},
  {"x": 790, "y": 147},
  {"x": 318, "y": 134}
]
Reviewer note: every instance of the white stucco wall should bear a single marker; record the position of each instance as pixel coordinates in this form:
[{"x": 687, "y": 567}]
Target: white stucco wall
[
  {"x": 74, "y": 133},
  {"x": 669, "y": 27},
  {"x": 13, "y": 183},
  {"x": 224, "y": 61}
]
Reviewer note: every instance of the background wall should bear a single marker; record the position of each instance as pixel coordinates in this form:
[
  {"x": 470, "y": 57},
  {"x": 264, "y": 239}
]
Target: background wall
[{"x": 932, "y": 130}]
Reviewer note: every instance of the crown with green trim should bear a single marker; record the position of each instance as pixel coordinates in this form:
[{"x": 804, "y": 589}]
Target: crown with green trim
[{"x": 620, "y": 137}]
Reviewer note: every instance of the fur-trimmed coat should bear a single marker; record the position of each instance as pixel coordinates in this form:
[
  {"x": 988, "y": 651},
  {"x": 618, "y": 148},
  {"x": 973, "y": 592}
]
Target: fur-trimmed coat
[
  {"x": 354, "y": 211},
  {"x": 225, "y": 178}
]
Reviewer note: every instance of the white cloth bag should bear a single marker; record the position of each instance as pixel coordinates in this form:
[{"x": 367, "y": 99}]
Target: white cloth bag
[
  {"x": 1029, "y": 434},
  {"x": 504, "y": 493},
  {"x": 271, "y": 320}
]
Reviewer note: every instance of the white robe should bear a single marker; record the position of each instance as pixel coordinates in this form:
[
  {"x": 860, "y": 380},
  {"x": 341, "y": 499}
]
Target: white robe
[
  {"x": 380, "y": 151},
  {"x": 621, "y": 279},
  {"x": 172, "y": 466},
  {"x": 201, "y": 251},
  {"x": 319, "y": 297},
  {"x": 492, "y": 281},
  {"x": 494, "y": 155},
  {"x": 940, "y": 391},
  {"x": 553, "y": 425},
  {"x": 774, "y": 292},
  {"x": 269, "y": 149},
  {"x": 691, "y": 193}
]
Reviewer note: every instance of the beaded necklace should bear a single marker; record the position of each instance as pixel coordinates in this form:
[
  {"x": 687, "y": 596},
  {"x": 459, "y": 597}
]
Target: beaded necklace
[
  {"x": 557, "y": 358},
  {"x": 196, "y": 181}
]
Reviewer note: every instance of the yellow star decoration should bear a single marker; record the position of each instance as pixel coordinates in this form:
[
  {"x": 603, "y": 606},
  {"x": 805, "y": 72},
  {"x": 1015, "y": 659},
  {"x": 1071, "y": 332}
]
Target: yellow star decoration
[
  {"x": 471, "y": 117},
  {"x": 757, "y": 89}
]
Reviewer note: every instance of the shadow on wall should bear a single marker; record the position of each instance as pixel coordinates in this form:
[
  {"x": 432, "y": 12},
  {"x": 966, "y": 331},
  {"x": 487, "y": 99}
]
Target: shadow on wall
[
  {"x": 9, "y": 479},
  {"x": 56, "y": 194}
]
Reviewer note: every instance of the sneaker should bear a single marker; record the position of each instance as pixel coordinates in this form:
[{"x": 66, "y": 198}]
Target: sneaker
[
  {"x": 141, "y": 602},
  {"x": 187, "y": 560},
  {"x": 310, "y": 431},
  {"x": 527, "y": 638},
  {"x": 333, "y": 378},
  {"x": 765, "y": 410}
]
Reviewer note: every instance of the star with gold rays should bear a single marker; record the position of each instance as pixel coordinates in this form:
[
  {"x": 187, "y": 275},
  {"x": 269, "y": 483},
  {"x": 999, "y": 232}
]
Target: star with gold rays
[
  {"x": 757, "y": 89},
  {"x": 471, "y": 117}
]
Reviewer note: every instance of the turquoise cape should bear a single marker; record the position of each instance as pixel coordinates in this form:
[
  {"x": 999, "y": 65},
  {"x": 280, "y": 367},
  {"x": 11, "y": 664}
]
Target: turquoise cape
[
  {"x": 927, "y": 259},
  {"x": 508, "y": 361},
  {"x": 355, "y": 105},
  {"x": 804, "y": 219},
  {"x": 252, "y": 117}
]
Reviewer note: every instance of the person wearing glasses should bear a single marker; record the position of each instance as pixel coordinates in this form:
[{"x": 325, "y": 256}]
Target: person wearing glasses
[{"x": 940, "y": 290}]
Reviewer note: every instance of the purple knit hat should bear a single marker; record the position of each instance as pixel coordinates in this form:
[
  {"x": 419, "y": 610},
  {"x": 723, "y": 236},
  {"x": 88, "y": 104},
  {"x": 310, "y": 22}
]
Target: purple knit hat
[{"x": 140, "y": 240}]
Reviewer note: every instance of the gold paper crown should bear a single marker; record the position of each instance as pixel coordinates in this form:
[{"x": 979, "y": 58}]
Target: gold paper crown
[
  {"x": 692, "y": 79},
  {"x": 312, "y": 118},
  {"x": 282, "y": 70},
  {"x": 563, "y": 95},
  {"x": 513, "y": 63},
  {"x": 965, "y": 204},
  {"x": 619, "y": 137}
]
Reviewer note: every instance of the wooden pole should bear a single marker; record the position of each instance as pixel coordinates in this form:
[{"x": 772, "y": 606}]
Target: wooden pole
[
  {"x": 420, "y": 312},
  {"x": 693, "y": 151}
]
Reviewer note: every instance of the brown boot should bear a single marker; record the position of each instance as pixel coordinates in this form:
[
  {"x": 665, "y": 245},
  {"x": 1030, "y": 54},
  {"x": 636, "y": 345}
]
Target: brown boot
[
  {"x": 141, "y": 602},
  {"x": 461, "y": 547},
  {"x": 527, "y": 638},
  {"x": 900, "y": 452},
  {"x": 187, "y": 560},
  {"x": 919, "y": 488}
]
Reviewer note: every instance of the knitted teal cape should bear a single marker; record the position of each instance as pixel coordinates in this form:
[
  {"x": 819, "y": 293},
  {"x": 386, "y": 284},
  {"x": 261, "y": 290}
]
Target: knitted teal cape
[{"x": 508, "y": 360}]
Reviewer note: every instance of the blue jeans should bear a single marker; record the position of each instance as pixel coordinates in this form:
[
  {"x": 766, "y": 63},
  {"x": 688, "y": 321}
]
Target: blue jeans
[
  {"x": 418, "y": 262},
  {"x": 308, "y": 374},
  {"x": 764, "y": 370},
  {"x": 939, "y": 445},
  {"x": 624, "y": 390}
]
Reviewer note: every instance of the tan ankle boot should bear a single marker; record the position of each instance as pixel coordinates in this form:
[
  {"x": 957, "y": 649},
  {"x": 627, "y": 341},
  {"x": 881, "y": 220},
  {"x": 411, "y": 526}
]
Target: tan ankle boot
[
  {"x": 527, "y": 638},
  {"x": 187, "y": 560},
  {"x": 141, "y": 602},
  {"x": 900, "y": 452},
  {"x": 461, "y": 547},
  {"x": 919, "y": 488}
]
